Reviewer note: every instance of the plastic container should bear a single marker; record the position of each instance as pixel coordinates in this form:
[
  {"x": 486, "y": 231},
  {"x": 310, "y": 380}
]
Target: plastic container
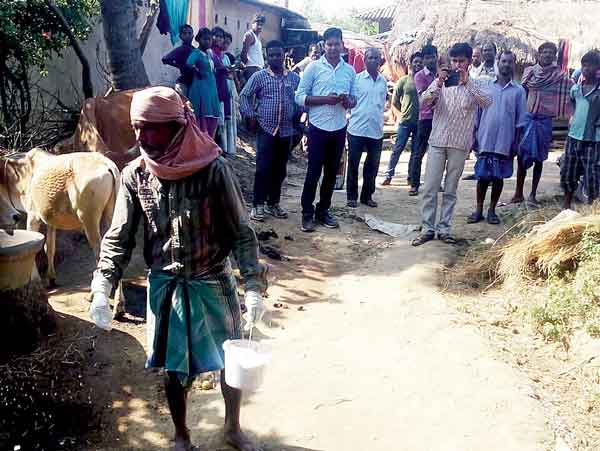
[{"x": 245, "y": 364}]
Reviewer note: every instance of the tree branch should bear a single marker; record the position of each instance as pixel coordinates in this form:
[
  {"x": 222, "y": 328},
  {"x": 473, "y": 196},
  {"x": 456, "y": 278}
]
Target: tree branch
[
  {"x": 147, "y": 28},
  {"x": 86, "y": 78}
]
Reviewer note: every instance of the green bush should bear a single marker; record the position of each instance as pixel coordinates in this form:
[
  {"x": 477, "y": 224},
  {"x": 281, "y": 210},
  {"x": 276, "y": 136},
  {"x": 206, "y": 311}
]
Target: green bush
[{"x": 573, "y": 299}]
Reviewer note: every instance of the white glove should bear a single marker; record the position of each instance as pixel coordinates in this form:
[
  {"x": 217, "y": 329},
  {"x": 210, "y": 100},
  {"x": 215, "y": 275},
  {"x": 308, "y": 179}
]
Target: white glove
[
  {"x": 255, "y": 309},
  {"x": 100, "y": 284},
  {"x": 100, "y": 311}
]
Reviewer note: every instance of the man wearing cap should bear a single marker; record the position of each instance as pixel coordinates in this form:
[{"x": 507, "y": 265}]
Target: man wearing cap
[
  {"x": 194, "y": 217},
  {"x": 252, "y": 49}
]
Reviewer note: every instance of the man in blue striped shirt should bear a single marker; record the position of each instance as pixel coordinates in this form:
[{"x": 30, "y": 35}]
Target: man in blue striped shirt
[
  {"x": 276, "y": 113},
  {"x": 325, "y": 92}
]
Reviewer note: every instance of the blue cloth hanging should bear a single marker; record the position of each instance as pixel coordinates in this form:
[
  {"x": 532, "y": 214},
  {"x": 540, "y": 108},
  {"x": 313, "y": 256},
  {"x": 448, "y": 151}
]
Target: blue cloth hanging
[{"x": 177, "y": 12}]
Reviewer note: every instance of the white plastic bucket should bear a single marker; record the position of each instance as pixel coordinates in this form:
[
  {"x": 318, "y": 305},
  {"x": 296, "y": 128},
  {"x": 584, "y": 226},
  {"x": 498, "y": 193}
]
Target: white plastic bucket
[{"x": 245, "y": 363}]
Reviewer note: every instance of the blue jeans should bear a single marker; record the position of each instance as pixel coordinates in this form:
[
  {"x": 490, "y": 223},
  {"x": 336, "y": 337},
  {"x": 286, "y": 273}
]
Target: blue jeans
[{"x": 405, "y": 131}]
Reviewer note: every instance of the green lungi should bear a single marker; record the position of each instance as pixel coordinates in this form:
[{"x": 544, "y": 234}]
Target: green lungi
[{"x": 188, "y": 320}]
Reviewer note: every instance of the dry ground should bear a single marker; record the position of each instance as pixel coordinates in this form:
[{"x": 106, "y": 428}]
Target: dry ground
[{"x": 368, "y": 352}]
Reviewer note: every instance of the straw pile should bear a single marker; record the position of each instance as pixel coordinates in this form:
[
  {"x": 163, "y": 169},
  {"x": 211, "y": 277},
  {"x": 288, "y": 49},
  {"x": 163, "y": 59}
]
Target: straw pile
[{"x": 554, "y": 246}]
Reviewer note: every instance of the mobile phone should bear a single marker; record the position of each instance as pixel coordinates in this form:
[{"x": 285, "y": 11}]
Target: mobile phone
[{"x": 453, "y": 79}]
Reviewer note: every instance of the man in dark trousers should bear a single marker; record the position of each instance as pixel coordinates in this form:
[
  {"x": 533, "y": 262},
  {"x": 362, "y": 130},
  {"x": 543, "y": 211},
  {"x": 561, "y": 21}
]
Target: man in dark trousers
[
  {"x": 178, "y": 58},
  {"x": 273, "y": 119},
  {"x": 406, "y": 101},
  {"x": 423, "y": 80},
  {"x": 365, "y": 130},
  {"x": 324, "y": 91}
]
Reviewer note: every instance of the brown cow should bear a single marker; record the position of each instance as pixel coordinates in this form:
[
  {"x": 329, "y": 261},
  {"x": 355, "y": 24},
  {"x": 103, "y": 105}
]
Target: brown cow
[
  {"x": 104, "y": 127},
  {"x": 75, "y": 191}
]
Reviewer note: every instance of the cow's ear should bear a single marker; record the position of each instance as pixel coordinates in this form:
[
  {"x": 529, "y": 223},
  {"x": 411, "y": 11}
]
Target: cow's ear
[{"x": 23, "y": 166}]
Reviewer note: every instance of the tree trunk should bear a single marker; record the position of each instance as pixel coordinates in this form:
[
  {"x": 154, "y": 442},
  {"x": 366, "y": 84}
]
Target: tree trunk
[{"x": 124, "y": 57}]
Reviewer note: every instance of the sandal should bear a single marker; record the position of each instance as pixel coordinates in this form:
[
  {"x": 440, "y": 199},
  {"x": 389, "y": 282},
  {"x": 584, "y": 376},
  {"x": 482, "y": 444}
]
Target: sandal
[
  {"x": 446, "y": 238},
  {"x": 475, "y": 218},
  {"x": 423, "y": 238},
  {"x": 492, "y": 218}
]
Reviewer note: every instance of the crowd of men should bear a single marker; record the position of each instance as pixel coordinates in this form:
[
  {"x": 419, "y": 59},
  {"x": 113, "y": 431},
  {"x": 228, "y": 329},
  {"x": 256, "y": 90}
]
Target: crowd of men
[
  {"x": 193, "y": 211},
  {"x": 451, "y": 106}
]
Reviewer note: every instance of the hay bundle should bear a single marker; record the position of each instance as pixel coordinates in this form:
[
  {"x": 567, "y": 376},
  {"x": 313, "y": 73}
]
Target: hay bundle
[
  {"x": 479, "y": 269},
  {"x": 555, "y": 245}
]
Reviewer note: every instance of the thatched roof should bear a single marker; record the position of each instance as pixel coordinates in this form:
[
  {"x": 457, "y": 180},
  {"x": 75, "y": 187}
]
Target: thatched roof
[
  {"x": 520, "y": 26},
  {"x": 375, "y": 14}
]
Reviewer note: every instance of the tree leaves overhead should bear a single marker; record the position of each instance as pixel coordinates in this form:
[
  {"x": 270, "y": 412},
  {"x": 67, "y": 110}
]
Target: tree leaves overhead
[{"x": 31, "y": 33}]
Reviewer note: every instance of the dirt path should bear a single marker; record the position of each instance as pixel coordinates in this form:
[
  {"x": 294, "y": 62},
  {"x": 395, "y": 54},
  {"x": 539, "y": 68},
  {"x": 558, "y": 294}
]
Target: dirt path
[{"x": 367, "y": 354}]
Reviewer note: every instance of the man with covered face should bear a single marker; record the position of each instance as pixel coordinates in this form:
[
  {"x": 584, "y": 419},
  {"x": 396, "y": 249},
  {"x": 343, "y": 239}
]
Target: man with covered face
[{"x": 194, "y": 217}]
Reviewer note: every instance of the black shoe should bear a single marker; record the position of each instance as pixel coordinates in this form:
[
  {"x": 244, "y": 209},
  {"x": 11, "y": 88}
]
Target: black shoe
[
  {"x": 327, "y": 220},
  {"x": 352, "y": 204},
  {"x": 423, "y": 238},
  {"x": 470, "y": 177},
  {"x": 369, "y": 202},
  {"x": 308, "y": 223}
]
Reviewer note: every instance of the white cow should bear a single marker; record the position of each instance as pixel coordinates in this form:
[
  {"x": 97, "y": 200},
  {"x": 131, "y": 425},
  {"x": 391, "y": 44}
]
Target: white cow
[{"x": 75, "y": 191}]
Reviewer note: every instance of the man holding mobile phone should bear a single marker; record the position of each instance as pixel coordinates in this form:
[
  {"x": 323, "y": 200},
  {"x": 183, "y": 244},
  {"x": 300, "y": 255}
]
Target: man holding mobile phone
[{"x": 455, "y": 98}]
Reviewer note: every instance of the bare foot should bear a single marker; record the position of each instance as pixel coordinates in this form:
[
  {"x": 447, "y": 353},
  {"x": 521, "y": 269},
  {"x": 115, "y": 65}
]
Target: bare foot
[
  {"x": 517, "y": 200},
  {"x": 239, "y": 440}
]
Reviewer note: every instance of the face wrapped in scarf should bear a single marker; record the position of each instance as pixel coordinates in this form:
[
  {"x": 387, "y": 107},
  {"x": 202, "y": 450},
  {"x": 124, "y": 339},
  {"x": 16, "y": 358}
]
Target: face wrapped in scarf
[{"x": 189, "y": 151}]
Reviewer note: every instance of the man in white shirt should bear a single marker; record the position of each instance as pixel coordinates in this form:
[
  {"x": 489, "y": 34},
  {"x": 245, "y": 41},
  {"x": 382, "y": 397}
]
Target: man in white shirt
[
  {"x": 252, "y": 49},
  {"x": 487, "y": 68},
  {"x": 324, "y": 91},
  {"x": 476, "y": 63},
  {"x": 365, "y": 130}
]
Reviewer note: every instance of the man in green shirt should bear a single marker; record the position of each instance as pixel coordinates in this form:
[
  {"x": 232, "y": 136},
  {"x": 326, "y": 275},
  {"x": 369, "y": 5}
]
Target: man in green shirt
[{"x": 405, "y": 100}]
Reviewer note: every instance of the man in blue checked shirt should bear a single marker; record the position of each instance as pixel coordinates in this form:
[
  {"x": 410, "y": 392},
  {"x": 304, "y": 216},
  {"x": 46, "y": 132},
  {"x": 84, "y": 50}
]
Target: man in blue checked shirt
[
  {"x": 365, "y": 130},
  {"x": 273, "y": 118},
  {"x": 324, "y": 91}
]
